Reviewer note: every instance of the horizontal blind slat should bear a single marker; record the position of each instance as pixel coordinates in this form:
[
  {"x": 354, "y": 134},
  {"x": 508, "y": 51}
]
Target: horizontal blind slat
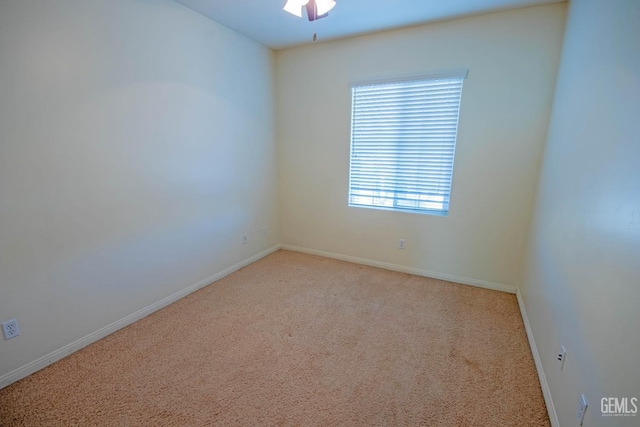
[{"x": 403, "y": 137}]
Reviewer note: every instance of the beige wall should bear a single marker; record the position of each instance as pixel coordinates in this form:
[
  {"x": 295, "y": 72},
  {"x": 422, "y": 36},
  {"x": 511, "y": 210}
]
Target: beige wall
[
  {"x": 582, "y": 286},
  {"x": 512, "y": 60},
  {"x": 136, "y": 147}
]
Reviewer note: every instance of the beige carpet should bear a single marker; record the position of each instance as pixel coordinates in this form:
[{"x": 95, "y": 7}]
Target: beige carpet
[{"x": 301, "y": 340}]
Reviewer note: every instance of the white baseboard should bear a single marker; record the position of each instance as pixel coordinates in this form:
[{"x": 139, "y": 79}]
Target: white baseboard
[
  {"x": 553, "y": 417},
  {"x": 44, "y": 361},
  {"x": 405, "y": 269}
]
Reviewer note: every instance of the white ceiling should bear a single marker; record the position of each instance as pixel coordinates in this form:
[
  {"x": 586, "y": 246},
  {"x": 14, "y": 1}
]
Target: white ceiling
[{"x": 265, "y": 22}]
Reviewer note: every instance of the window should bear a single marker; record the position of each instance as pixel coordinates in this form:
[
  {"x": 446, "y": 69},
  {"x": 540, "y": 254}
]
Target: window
[{"x": 403, "y": 138}]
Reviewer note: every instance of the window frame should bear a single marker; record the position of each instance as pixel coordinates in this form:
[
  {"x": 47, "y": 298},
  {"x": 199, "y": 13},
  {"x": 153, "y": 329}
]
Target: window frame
[{"x": 456, "y": 74}]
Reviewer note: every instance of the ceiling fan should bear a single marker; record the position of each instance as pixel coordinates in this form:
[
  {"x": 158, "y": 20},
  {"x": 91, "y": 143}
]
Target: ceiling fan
[{"x": 316, "y": 9}]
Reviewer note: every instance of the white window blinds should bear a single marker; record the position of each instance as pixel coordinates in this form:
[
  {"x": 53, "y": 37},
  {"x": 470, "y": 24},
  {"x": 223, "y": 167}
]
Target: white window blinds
[{"x": 403, "y": 138}]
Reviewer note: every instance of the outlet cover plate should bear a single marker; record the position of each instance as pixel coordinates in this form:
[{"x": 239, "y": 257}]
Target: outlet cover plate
[
  {"x": 582, "y": 408},
  {"x": 10, "y": 329},
  {"x": 562, "y": 355}
]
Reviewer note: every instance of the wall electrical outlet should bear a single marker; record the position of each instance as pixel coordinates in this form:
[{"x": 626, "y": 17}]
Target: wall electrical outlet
[
  {"x": 562, "y": 355},
  {"x": 245, "y": 239},
  {"x": 10, "y": 328},
  {"x": 582, "y": 408},
  {"x": 401, "y": 244}
]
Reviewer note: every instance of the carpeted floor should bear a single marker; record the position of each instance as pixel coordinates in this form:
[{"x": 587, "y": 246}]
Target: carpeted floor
[{"x": 296, "y": 339}]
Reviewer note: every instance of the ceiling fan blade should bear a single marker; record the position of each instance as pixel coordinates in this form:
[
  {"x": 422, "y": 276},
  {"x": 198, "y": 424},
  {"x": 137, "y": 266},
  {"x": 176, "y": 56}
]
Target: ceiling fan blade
[
  {"x": 294, "y": 7},
  {"x": 324, "y": 6}
]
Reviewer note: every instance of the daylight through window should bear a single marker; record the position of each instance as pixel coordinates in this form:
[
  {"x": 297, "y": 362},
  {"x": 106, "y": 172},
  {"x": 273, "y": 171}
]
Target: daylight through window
[{"x": 403, "y": 138}]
